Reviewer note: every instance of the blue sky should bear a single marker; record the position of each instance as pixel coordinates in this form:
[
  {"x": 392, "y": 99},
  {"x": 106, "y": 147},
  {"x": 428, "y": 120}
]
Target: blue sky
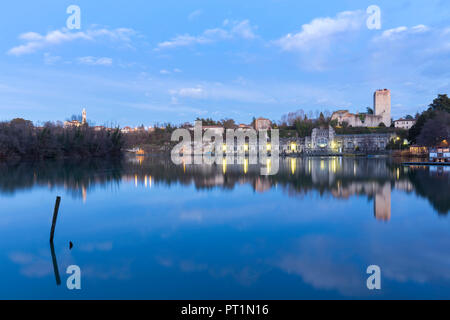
[{"x": 141, "y": 62}]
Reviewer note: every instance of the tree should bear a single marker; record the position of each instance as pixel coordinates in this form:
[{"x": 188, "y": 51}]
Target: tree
[
  {"x": 369, "y": 110},
  {"x": 228, "y": 123},
  {"x": 441, "y": 103},
  {"x": 435, "y": 130}
]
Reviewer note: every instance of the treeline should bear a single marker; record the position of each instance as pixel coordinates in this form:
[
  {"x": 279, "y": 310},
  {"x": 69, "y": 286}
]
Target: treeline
[
  {"x": 433, "y": 125},
  {"x": 20, "y": 139}
]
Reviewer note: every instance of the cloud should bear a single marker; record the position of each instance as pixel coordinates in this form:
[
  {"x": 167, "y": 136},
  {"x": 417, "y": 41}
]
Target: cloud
[
  {"x": 35, "y": 41},
  {"x": 396, "y": 33},
  {"x": 196, "y": 93},
  {"x": 50, "y": 59},
  {"x": 164, "y": 71},
  {"x": 244, "y": 30},
  {"x": 235, "y": 29},
  {"x": 194, "y": 14},
  {"x": 93, "y": 61},
  {"x": 322, "y": 31}
]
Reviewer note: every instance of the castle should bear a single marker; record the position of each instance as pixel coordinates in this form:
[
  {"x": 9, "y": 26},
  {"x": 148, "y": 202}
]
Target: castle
[{"x": 381, "y": 110}]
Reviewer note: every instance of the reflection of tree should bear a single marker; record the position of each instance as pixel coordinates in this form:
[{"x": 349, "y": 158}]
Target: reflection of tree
[
  {"x": 435, "y": 188},
  {"x": 336, "y": 177},
  {"x": 76, "y": 176}
]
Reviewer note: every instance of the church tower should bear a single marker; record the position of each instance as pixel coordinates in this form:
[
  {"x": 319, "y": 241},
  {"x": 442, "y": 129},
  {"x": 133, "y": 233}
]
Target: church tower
[
  {"x": 83, "y": 121},
  {"x": 382, "y": 105}
]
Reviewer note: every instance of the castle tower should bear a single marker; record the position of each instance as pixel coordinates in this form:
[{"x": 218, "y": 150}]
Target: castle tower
[
  {"x": 382, "y": 105},
  {"x": 83, "y": 121}
]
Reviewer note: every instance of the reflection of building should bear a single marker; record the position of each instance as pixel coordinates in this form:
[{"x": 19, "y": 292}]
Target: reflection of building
[
  {"x": 381, "y": 108},
  {"x": 382, "y": 203},
  {"x": 262, "y": 185},
  {"x": 418, "y": 150}
]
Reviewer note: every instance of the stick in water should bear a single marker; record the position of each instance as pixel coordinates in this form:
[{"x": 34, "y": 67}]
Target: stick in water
[{"x": 55, "y": 216}]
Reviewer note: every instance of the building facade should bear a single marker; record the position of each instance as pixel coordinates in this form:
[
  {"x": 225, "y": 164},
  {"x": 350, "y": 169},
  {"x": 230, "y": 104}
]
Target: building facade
[
  {"x": 404, "y": 123},
  {"x": 382, "y": 113},
  {"x": 327, "y": 141},
  {"x": 263, "y": 124}
]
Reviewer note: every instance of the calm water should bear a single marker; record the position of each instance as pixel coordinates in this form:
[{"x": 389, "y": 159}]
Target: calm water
[{"x": 143, "y": 228}]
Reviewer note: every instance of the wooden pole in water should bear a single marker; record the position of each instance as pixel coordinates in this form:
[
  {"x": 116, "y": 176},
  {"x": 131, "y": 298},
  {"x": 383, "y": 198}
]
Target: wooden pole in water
[{"x": 55, "y": 216}]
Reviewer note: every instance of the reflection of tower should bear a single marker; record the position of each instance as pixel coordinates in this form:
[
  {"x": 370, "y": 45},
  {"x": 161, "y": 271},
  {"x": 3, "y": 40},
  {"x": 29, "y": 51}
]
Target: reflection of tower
[
  {"x": 382, "y": 203},
  {"x": 83, "y": 121},
  {"x": 84, "y": 193}
]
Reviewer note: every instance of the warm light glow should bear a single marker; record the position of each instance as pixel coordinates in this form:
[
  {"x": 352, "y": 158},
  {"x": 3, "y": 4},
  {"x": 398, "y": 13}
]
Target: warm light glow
[
  {"x": 224, "y": 147},
  {"x": 246, "y": 147},
  {"x": 269, "y": 165},
  {"x": 293, "y": 146},
  {"x": 245, "y": 166},
  {"x": 322, "y": 165},
  {"x": 135, "y": 180},
  {"x": 269, "y": 147},
  {"x": 293, "y": 165},
  {"x": 224, "y": 165},
  {"x": 334, "y": 165}
]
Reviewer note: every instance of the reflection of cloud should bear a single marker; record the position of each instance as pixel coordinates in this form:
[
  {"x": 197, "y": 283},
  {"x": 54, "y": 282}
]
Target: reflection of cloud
[
  {"x": 101, "y": 246},
  {"x": 194, "y": 215},
  {"x": 325, "y": 264},
  {"x": 245, "y": 275},
  {"x": 419, "y": 261},
  {"x": 109, "y": 271},
  {"x": 31, "y": 265}
]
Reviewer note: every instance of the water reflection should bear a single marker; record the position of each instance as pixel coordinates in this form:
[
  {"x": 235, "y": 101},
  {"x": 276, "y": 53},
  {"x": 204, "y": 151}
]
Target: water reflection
[
  {"x": 339, "y": 177},
  {"x": 146, "y": 228}
]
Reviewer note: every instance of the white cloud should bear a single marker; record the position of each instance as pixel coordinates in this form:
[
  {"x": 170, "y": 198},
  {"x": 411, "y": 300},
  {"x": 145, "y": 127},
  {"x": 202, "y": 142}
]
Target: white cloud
[
  {"x": 244, "y": 30},
  {"x": 196, "y": 93},
  {"x": 164, "y": 71},
  {"x": 396, "y": 33},
  {"x": 194, "y": 14},
  {"x": 93, "y": 61},
  {"x": 321, "y": 31},
  {"x": 35, "y": 41},
  {"x": 236, "y": 29},
  {"x": 50, "y": 59}
]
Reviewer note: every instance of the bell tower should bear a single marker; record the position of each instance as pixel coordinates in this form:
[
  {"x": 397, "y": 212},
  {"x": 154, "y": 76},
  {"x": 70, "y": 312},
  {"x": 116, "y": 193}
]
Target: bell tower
[{"x": 83, "y": 121}]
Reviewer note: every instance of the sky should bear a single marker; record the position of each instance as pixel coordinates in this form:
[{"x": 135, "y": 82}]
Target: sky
[{"x": 144, "y": 62}]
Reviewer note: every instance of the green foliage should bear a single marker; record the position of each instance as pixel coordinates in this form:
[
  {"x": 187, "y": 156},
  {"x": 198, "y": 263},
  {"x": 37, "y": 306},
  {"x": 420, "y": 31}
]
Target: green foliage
[{"x": 440, "y": 104}]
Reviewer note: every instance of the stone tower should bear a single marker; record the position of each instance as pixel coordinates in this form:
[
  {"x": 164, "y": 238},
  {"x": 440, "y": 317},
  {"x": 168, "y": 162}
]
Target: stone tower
[
  {"x": 83, "y": 121},
  {"x": 382, "y": 105}
]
